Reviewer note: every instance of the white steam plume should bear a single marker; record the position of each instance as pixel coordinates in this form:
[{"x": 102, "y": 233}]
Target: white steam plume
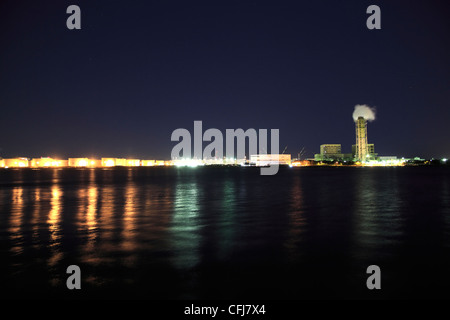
[{"x": 363, "y": 110}]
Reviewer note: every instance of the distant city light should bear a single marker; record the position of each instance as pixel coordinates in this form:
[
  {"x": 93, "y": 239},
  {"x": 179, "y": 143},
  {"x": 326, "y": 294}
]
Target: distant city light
[
  {"x": 255, "y": 160},
  {"x": 46, "y": 162},
  {"x": 188, "y": 163},
  {"x": 109, "y": 163}
]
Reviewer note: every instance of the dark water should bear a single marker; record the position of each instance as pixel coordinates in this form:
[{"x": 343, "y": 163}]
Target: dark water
[{"x": 225, "y": 232}]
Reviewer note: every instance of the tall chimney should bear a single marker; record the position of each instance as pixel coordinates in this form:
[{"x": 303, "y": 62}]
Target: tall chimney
[{"x": 361, "y": 139}]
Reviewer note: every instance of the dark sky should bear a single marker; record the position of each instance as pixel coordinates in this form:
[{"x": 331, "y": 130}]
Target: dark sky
[{"x": 137, "y": 70}]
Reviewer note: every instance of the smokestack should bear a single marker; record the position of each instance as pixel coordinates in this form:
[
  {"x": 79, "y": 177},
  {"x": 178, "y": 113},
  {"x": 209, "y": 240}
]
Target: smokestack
[
  {"x": 361, "y": 139},
  {"x": 361, "y": 115}
]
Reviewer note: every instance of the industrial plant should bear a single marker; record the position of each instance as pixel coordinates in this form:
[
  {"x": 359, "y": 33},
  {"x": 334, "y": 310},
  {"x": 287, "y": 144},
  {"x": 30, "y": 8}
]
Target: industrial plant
[
  {"x": 47, "y": 162},
  {"x": 362, "y": 154}
]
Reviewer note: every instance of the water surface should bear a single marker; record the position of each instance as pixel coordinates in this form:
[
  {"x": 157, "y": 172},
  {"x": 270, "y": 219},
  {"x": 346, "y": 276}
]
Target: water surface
[{"x": 225, "y": 232}]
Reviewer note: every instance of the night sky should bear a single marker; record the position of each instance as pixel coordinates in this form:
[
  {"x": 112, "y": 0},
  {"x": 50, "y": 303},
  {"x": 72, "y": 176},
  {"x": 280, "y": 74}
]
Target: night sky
[{"x": 137, "y": 70}]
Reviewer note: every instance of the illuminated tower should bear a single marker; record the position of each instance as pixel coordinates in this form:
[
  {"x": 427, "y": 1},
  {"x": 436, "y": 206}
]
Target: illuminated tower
[{"x": 361, "y": 139}]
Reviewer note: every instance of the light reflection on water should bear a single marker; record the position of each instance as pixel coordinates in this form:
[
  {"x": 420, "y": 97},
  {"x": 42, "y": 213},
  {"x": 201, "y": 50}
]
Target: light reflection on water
[
  {"x": 377, "y": 211},
  {"x": 15, "y": 225},
  {"x": 445, "y": 207},
  {"x": 88, "y": 218},
  {"x": 297, "y": 221},
  {"x": 227, "y": 221},
  {"x": 54, "y": 226},
  {"x": 185, "y": 226},
  {"x": 169, "y": 228},
  {"x": 36, "y": 215},
  {"x": 54, "y": 215},
  {"x": 130, "y": 213}
]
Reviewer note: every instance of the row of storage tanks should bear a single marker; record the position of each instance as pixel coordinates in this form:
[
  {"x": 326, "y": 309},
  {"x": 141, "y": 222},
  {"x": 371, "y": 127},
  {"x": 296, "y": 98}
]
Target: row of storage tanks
[{"x": 79, "y": 162}]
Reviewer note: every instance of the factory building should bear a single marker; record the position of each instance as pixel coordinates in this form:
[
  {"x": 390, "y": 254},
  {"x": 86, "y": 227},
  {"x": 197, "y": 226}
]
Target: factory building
[
  {"x": 269, "y": 159},
  {"x": 133, "y": 162},
  {"x": 330, "y": 149},
  {"x": 331, "y": 152},
  {"x": 113, "y": 162},
  {"x": 15, "y": 163},
  {"x": 83, "y": 162},
  {"x": 46, "y": 162},
  {"x": 151, "y": 163},
  {"x": 148, "y": 163}
]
